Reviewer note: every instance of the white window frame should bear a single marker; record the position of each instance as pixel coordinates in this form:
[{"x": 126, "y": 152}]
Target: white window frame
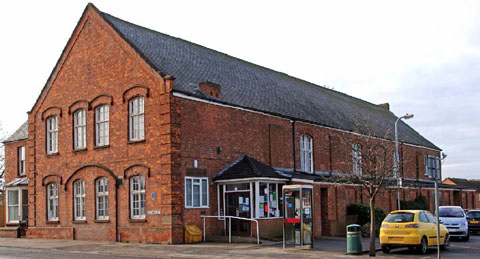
[
  {"x": 18, "y": 206},
  {"x": 79, "y": 200},
  {"x": 357, "y": 159},
  {"x": 52, "y": 134},
  {"x": 102, "y": 196},
  {"x": 102, "y": 125},
  {"x": 306, "y": 153},
  {"x": 140, "y": 193},
  {"x": 202, "y": 203},
  {"x": 136, "y": 118},
  {"x": 52, "y": 215},
  {"x": 21, "y": 160},
  {"x": 80, "y": 129}
]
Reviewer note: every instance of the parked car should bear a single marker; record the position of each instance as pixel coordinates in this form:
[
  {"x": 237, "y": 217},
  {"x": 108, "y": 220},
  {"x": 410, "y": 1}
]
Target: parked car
[
  {"x": 473, "y": 217},
  {"x": 454, "y": 218},
  {"x": 413, "y": 229}
]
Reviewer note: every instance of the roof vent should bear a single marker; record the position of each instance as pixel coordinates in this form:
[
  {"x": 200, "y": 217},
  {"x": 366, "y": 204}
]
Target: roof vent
[
  {"x": 385, "y": 106},
  {"x": 211, "y": 89}
]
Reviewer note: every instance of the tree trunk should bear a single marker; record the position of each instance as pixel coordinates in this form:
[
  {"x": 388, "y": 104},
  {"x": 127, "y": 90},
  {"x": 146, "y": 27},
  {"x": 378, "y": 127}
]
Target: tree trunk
[{"x": 372, "y": 227}]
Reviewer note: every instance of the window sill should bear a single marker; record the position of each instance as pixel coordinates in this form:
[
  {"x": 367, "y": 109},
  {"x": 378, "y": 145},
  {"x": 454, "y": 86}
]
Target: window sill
[
  {"x": 53, "y": 222},
  {"x": 53, "y": 154},
  {"x": 201, "y": 208},
  {"x": 136, "y": 141},
  {"x": 102, "y": 221},
  {"x": 80, "y": 222},
  {"x": 101, "y": 147},
  {"x": 137, "y": 220},
  {"x": 12, "y": 224},
  {"x": 81, "y": 150}
]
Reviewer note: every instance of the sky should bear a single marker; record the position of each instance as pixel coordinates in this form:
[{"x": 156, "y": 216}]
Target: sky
[{"x": 422, "y": 57}]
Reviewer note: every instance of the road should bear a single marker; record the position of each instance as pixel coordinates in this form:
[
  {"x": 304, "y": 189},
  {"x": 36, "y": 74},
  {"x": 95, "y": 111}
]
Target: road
[{"x": 459, "y": 249}]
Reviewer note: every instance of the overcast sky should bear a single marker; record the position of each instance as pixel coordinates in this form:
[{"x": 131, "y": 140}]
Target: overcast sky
[{"x": 423, "y": 57}]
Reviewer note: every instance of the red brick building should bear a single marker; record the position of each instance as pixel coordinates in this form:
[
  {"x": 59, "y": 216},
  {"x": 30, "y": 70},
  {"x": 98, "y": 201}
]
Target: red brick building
[{"x": 137, "y": 134}]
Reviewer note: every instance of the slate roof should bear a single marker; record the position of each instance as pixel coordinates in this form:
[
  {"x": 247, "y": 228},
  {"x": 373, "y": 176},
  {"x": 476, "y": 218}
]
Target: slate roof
[
  {"x": 20, "y": 134},
  {"x": 244, "y": 84},
  {"x": 17, "y": 182},
  {"x": 247, "y": 167}
]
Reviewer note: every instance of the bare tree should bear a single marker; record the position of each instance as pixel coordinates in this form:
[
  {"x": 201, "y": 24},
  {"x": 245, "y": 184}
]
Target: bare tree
[{"x": 373, "y": 157}]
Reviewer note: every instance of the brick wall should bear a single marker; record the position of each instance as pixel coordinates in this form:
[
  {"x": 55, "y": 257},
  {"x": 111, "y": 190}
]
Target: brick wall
[{"x": 98, "y": 67}]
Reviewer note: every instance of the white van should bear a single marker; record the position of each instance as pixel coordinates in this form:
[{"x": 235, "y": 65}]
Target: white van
[{"x": 454, "y": 218}]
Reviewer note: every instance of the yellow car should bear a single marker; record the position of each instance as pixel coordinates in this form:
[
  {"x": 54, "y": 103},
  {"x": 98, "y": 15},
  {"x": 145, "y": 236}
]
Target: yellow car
[{"x": 415, "y": 229}]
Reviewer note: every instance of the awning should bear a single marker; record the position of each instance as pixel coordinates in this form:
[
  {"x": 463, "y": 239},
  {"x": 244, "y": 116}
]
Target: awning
[
  {"x": 18, "y": 182},
  {"x": 247, "y": 167}
]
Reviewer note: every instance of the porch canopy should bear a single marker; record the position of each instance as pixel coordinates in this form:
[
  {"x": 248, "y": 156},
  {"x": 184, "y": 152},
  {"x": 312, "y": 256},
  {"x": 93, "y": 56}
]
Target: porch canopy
[{"x": 250, "y": 189}]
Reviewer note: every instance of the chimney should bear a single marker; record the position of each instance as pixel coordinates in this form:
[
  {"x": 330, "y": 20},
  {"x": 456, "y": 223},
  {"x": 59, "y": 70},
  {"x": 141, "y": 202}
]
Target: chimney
[
  {"x": 385, "y": 106},
  {"x": 211, "y": 89}
]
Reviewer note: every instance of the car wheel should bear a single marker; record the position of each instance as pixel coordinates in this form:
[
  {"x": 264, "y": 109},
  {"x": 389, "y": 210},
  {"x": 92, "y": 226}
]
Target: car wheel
[
  {"x": 423, "y": 247},
  {"x": 446, "y": 244},
  {"x": 467, "y": 238},
  {"x": 386, "y": 249}
]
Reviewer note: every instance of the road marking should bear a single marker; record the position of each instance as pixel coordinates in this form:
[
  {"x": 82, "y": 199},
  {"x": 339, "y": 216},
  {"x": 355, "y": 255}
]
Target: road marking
[{"x": 476, "y": 248}]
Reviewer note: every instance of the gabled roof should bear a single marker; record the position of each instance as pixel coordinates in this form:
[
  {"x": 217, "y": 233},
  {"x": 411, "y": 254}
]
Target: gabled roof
[
  {"x": 247, "y": 167},
  {"x": 254, "y": 87},
  {"x": 20, "y": 134},
  {"x": 258, "y": 88},
  {"x": 460, "y": 182}
]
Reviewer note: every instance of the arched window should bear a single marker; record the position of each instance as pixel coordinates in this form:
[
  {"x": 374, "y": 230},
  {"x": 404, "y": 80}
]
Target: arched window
[
  {"x": 102, "y": 125},
  {"x": 80, "y": 129},
  {"x": 306, "y": 153},
  {"x": 136, "y": 119},
  {"x": 52, "y": 202},
  {"x": 79, "y": 199},
  {"x": 101, "y": 192},
  {"x": 52, "y": 135},
  {"x": 137, "y": 197}
]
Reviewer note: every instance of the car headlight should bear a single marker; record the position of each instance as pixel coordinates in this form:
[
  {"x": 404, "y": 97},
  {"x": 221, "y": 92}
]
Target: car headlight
[{"x": 463, "y": 225}]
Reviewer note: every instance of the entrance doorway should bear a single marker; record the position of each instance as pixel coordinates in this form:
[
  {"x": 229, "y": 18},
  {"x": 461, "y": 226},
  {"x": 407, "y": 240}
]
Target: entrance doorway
[{"x": 238, "y": 205}]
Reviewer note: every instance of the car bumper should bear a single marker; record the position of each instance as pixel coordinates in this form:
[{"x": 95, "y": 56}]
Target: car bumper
[
  {"x": 399, "y": 240},
  {"x": 458, "y": 232},
  {"x": 475, "y": 227}
]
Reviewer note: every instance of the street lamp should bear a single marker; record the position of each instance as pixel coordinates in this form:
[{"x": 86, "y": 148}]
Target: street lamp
[{"x": 397, "y": 162}]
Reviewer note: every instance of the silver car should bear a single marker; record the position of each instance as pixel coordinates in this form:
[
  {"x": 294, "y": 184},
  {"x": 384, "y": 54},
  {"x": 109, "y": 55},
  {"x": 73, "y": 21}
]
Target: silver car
[{"x": 454, "y": 218}]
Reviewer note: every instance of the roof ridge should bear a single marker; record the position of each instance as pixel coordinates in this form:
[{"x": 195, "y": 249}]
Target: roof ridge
[{"x": 252, "y": 165}]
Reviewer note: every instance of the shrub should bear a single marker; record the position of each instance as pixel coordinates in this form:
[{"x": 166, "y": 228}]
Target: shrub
[
  {"x": 363, "y": 215},
  {"x": 420, "y": 203}
]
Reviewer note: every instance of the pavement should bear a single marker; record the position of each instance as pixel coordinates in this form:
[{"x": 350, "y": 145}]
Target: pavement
[{"x": 328, "y": 247}]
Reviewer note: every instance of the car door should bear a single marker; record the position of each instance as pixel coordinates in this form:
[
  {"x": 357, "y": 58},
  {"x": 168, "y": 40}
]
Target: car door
[
  {"x": 426, "y": 227},
  {"x": 433, "y": 223}
]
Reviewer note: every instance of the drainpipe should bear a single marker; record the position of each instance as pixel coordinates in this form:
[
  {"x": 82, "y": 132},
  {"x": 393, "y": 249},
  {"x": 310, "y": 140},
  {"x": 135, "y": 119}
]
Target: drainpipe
[
  {"x": 293, "y": 146},
  {"x": 116, "y": 210}
]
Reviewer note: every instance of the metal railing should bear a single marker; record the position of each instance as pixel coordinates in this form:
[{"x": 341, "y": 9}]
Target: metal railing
[{"x": 230, "y": 226}]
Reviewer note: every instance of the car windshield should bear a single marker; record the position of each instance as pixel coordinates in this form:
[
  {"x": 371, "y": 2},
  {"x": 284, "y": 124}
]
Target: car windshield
[
  {"x": 399, "y": 217},
  {"x": 451, "y": 212},
  {"x": 473, "y": 214}
]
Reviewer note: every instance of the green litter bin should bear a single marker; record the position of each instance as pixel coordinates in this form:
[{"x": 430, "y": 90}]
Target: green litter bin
[{"x": 354, "y": 239}]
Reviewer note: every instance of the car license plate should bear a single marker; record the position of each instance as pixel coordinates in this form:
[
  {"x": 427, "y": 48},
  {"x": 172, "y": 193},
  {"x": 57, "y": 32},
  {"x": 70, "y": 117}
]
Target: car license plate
[
  {"x": 395, "y": 239},
  {"x": 473, "y": 222}
]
